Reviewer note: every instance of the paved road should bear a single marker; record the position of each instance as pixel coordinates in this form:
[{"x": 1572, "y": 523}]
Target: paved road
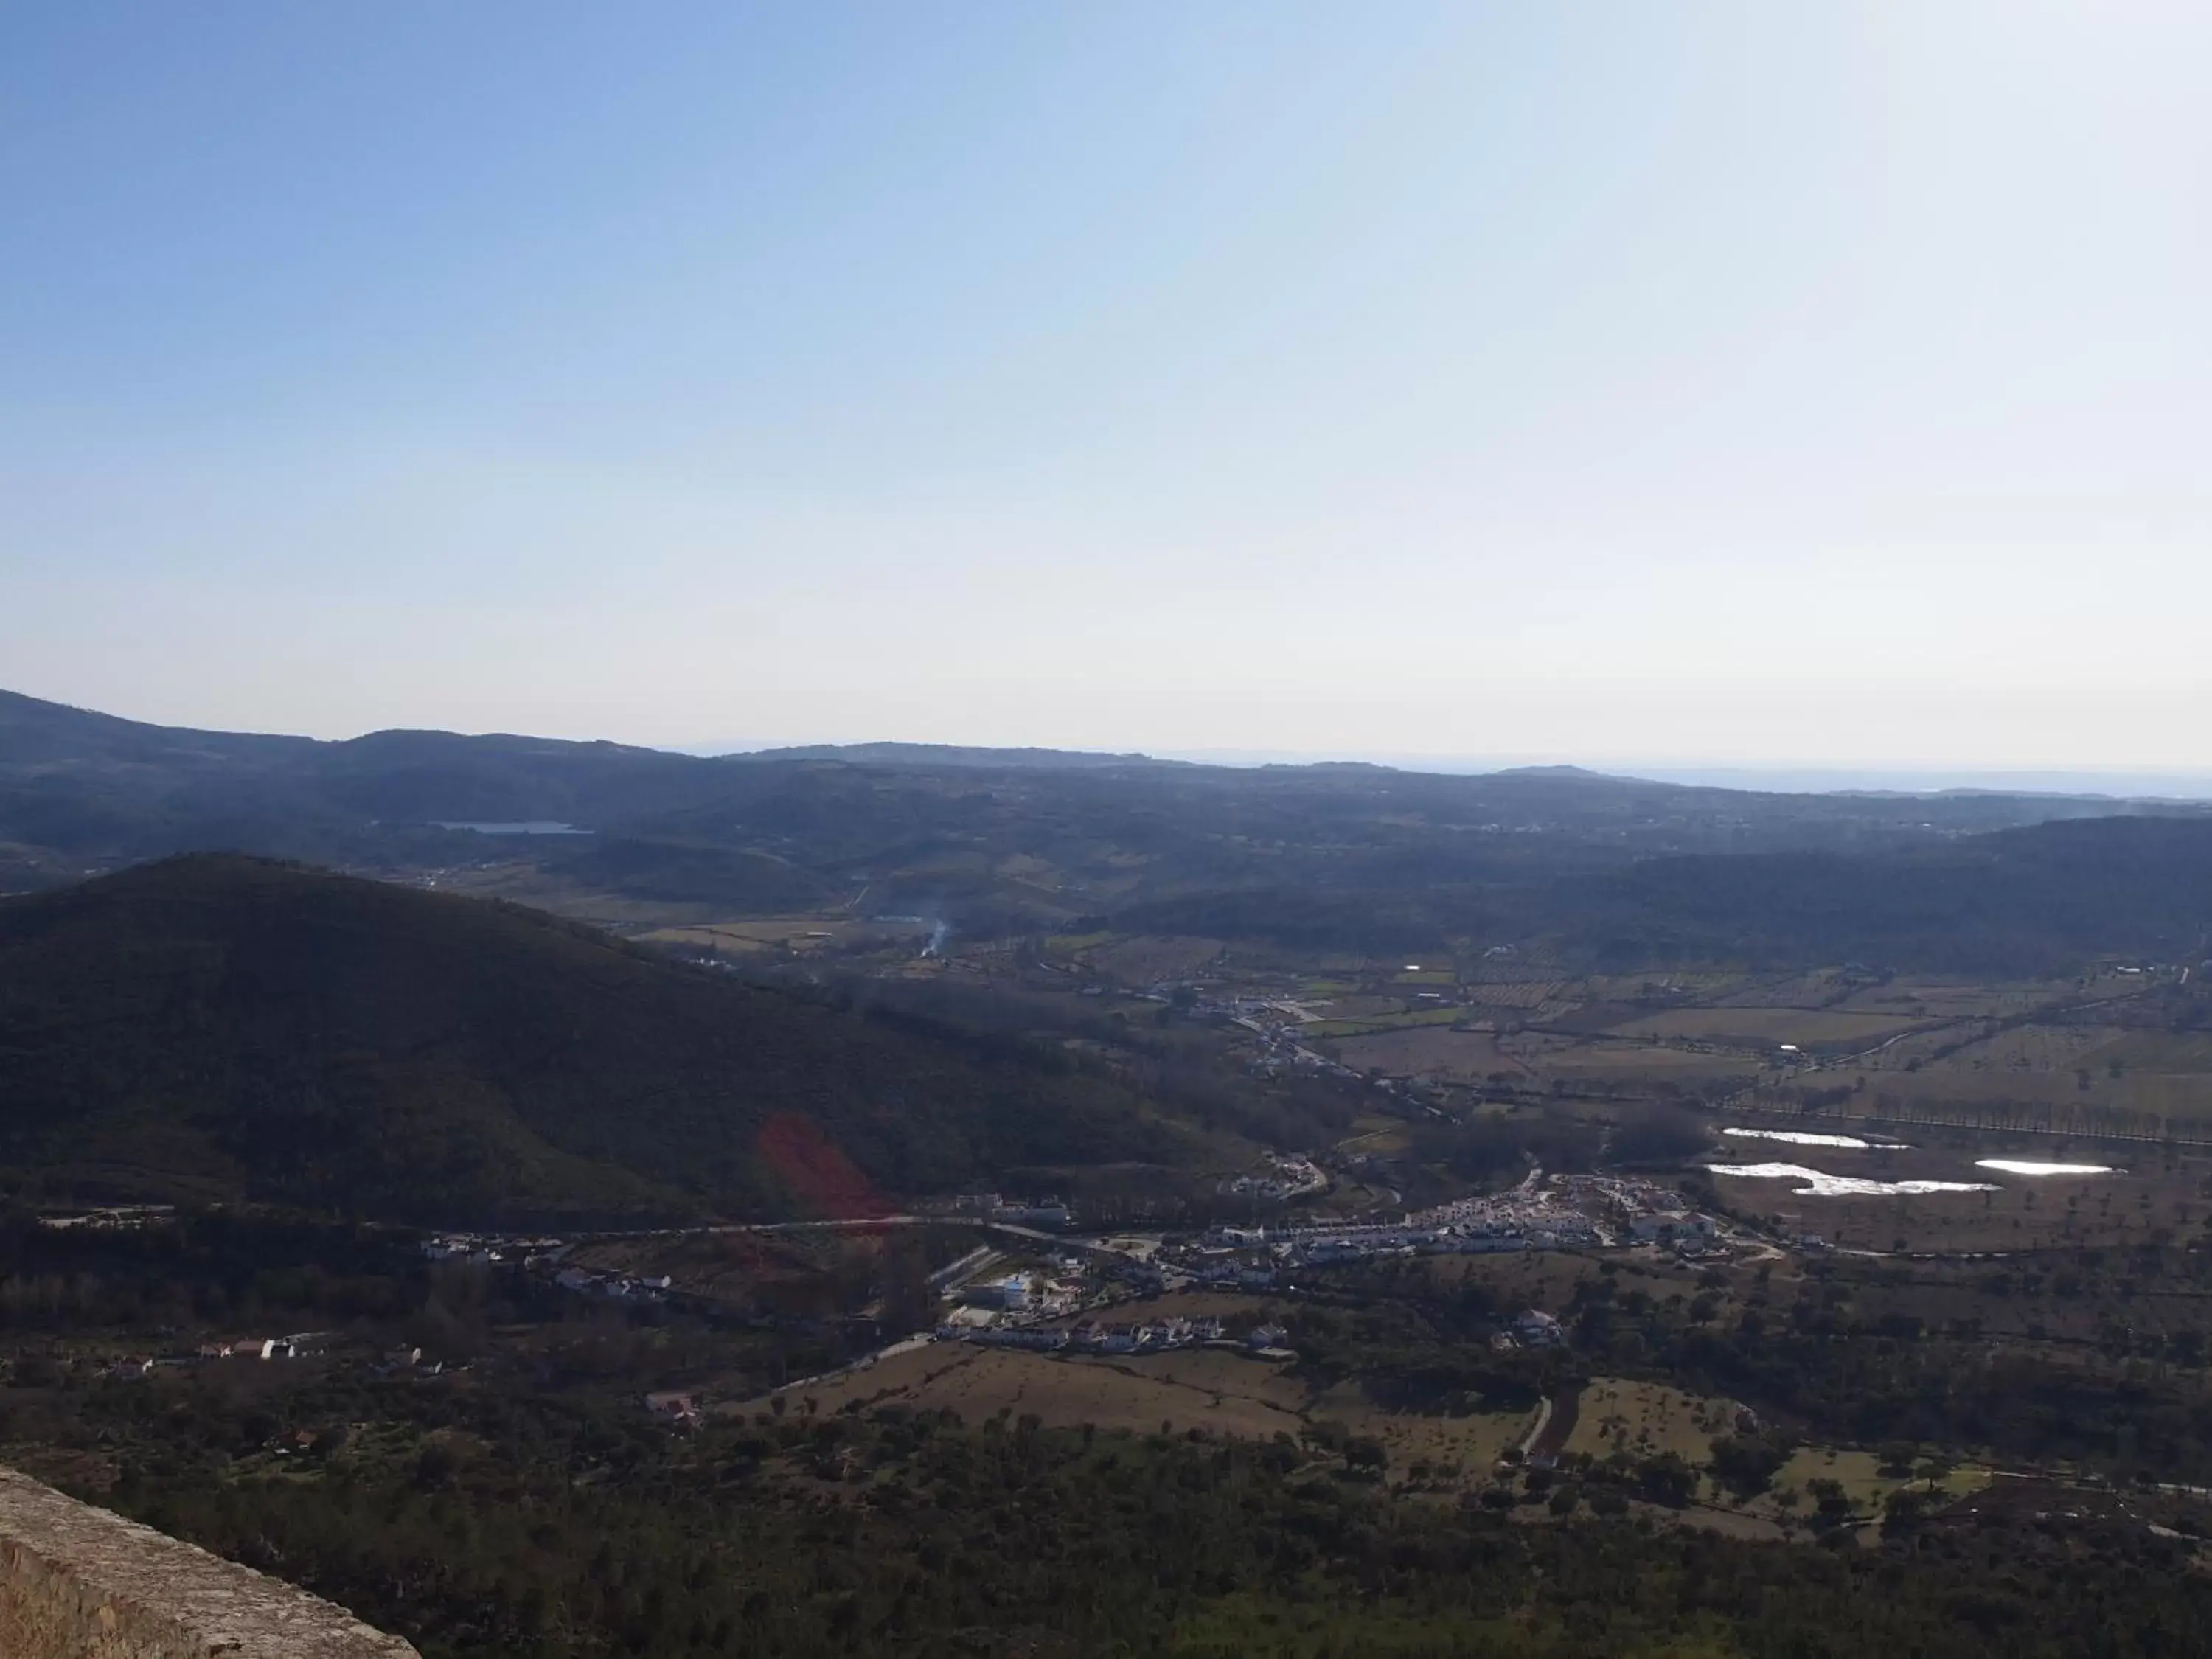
[
  {"x": 1536, "y": 1429},
  {"x": 868, "y": 1224},
  {"x": 904, "y": 1345}
]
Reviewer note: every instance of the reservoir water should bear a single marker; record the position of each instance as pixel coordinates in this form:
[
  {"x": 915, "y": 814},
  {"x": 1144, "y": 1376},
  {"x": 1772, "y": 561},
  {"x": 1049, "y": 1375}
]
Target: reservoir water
[
  {"x": 1806, "y": 1137},
  {"x": 2029, "y": 1166},
  {"x": 1818, "y": 1183}
]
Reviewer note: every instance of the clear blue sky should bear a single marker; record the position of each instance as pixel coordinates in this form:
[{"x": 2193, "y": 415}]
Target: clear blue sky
[{"x": 1811, "y": 383}]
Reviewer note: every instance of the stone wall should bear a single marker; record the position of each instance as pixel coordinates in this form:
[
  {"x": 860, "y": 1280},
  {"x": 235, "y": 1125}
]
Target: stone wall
[{"x": 79, "y": 1582}]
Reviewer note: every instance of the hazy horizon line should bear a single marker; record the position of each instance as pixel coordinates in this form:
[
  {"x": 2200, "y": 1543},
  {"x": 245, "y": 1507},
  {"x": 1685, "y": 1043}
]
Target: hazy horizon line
[
  {"x": 1784, "y": 776},
  {"x": 1778, "y": 777}
]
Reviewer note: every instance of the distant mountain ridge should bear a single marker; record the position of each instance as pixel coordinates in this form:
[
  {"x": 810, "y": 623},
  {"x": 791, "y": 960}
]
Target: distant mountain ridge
[
  {"x": 36, "y": 733},
  {"x": 946, "y": 754},
  {"x": 33, "y": 732},
  {"x": 996, "y": 842}
]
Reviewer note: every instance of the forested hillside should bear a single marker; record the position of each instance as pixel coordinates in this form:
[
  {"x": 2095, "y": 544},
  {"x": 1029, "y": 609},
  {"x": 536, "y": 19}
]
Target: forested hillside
[
  {"x": 2022, "y": 902},
  {"x": 220, "y": 1027},
  {"x": 1005, "y": 843}
]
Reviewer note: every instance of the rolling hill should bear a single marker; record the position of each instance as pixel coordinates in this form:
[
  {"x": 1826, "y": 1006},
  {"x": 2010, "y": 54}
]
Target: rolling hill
[
  {"x": 2041, "y": 899},
  {"x": 222, "y": 1028},
  {"x": 1006, "y": 843}
]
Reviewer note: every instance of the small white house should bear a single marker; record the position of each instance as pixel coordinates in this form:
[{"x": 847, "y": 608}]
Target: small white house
[{"x": 1538, "y": 1329}]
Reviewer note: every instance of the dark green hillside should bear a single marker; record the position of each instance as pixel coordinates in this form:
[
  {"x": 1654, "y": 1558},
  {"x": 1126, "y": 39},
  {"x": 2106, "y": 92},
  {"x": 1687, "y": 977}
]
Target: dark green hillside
[
  {"x": 2042, "y": 899},
  {"x": 432, "y": 776},
  {"x": 1343, "y": 854},
  {"x": 2035, "y": 900},
  {"x": 224, "y": 1027},
  {"x": 36, "y": 733}
]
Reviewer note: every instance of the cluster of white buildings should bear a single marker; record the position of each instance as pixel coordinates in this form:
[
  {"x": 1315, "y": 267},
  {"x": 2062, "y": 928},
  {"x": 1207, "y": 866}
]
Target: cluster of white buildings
[
  {"x": 1558, "y": 1213},
  {"x": 1252, "y": 1259},
  {"x": 1233, "y": 1273},
  {"x": 1641, "y": 1211},
  {"x": 1032, "y": 1294},
  {"x": 491, "y": 1251},
  {"x": 1546, "y": 1211},
  {"x": 1470, "y": 1238}
]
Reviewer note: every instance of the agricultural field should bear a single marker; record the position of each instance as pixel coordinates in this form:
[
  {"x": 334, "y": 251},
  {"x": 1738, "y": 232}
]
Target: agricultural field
[
  {"x": 1765, "y": 1027},
  {"x": 1536, "y": 1060},
  {"x": 1821, "y": 989},
  {"x": 1925, "y": 1045},
  {"x": 1617, "y": 1063},
  {"x": 2081, "y": 1098},
  {"x": 1647, "y": 1419},
  {"x": 1512, "y": 969},
  {"x": 768, "y": 934},
  {"x": 2165, "y": 1054},
  {"x": 1671, "y": 986},
  {"x": 1525, "y": 995},
  {"x": 1448, "y": 1452},
  {"x": 1416, "y": 1017},
  {"x": 1223, "y": 1393},
  {"x": 1374, "y": 1136},
  {"x": 2020, "y": 1048},
  {"x": 1355, "y": 1008},
  {"x": 1960, "y": 1001},
  {"x": 1859, "y": 1478},
  {"x": 1436, "y": 1050},
  {"x": 1919, "y": 1040},
  {"x": 1218, "y": 1392},
  {"x": 1075, "y": 944},
  {"x": 629, "y": 914},
  {"x": 1148, "y": 960}
]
